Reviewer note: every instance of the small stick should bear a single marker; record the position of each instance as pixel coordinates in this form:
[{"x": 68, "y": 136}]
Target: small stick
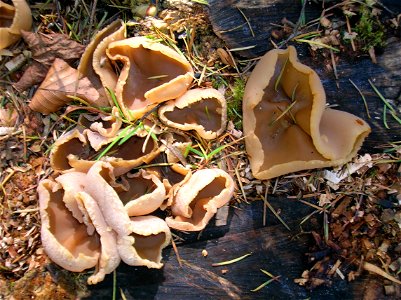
[
  {"x": 374, "y": 269},
  {"x": 349, "y": 31}
]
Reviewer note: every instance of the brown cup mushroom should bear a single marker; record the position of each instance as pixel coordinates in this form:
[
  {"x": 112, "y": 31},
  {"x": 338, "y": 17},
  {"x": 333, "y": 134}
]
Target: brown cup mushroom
[
  {"x": 60, "y": 82},
  {"x": 65, "y": 240},
  {"x": 198, "y": 199},
  {"x": 152, "y": 73},
  {"x": 71, "y": 144},
  {"x": 72, "y": 150},
  {"x": 287, "y": 126},
  {"x": 144, "y": 193},
  {"x": 150, "y": 235},
  {"x": 95, "y": 64},
  {"x": 202, "y": 110},
  {"x": 13, "y": 19}
]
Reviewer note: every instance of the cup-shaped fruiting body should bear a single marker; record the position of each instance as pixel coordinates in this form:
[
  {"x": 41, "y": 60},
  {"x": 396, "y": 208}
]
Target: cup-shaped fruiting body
[
  {"x": 13, "y": 19},
  {"x": 72, "y": 143},
  {"x": 60, "y": 82},
  {"x": 287, "y": 126},
  {"x": 95, "y": 65},
  {"x": 77, "y": 223},
  {"x": 150, "y": 235},
  {"x": 65, "y": 240},
  {"x": 72, "y": 150},
  {"x": 202, "y": 110},
  {"x": 144, "y": 193},
  {"x": 198, "y": 199},
  {"x": 152, "y": 73}
]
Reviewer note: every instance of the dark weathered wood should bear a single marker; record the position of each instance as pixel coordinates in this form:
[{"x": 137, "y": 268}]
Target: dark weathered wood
[
  {"x": 273, "y": 248},
  {"x": 385, "y": 75},
  {"x": 229, "y": 23}
]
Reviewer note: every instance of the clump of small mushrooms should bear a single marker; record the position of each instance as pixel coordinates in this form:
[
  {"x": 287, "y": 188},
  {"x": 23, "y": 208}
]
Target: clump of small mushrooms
[{"x": 116, "y": 169}]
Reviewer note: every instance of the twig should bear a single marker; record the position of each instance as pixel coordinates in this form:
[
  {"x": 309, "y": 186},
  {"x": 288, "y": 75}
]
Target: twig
[
  {"x": 176, "y": 252},
  {"x": 374, "y": 269}
]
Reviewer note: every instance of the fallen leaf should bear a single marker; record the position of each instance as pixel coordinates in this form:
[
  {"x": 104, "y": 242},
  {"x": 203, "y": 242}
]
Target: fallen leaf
[{"x": 45, "y": 48}]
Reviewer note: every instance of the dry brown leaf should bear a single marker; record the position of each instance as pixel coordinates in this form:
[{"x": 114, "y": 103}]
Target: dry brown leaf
[
  {"x": 60, "y": 82},
  {"x": 45, "y": 48}
]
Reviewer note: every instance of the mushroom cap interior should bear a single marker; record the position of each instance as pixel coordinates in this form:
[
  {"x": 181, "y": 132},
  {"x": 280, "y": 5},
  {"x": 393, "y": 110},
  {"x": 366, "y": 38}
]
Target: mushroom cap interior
[
  {"x": 68, "y": 231},
  {"x": 7, "y": 13},
  {"x": 203, "y": 110},
  {"x": 206, "y": 112},
  {"x": 72, "y": 142},
  {"x": 152, "y": 73},
  {"x": 198, "y": 199},
  {"x": 137, "y": 186},
  {"x": 148, "y": 247}
]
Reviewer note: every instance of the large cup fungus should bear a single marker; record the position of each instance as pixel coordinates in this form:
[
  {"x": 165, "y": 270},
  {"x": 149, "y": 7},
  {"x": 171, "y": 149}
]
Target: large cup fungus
[
  {"x": 202, "y": 110},
  {"x": 13, "y": 19},
  {"x": 152, "y": 73},
  {"x": 287, "y": 126}
]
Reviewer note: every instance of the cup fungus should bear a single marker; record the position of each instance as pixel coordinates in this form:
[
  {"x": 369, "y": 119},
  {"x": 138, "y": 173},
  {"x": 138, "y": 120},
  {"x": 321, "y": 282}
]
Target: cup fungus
[
  {"x": 95, "y": 64},
  {"x": 150, "y": 235},
  {"x": 13, "y": 19},
  {"x": 65, "y": 240},
  {"x": 198, "y": 199},
  {"x": 202, "y": 110},
  {"x": 287, "y": 126},
  {"x": 71, "y": 144},
  {"x": 152, "y": 73},
  {"x": 72, "y": 150},
  {"x": 60, "y": 82},
  {"x": 144, "y": 193}
]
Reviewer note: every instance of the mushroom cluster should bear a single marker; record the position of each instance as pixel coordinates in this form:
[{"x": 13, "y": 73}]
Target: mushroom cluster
[
  {"x": 287, "y": 125},
  {"x": 120, "y": 167}
]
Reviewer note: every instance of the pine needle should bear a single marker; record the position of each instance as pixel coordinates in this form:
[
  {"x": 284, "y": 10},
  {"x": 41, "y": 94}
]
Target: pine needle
[
  {"x": 229, "y": 262},
  {"x": 280, "y": 75},
  {"x": 363, "y": 98}
]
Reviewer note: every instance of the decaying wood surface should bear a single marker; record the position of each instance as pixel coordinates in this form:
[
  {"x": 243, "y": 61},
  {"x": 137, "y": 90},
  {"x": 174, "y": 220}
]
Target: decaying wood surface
[{"x": 273, "y": 247}]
